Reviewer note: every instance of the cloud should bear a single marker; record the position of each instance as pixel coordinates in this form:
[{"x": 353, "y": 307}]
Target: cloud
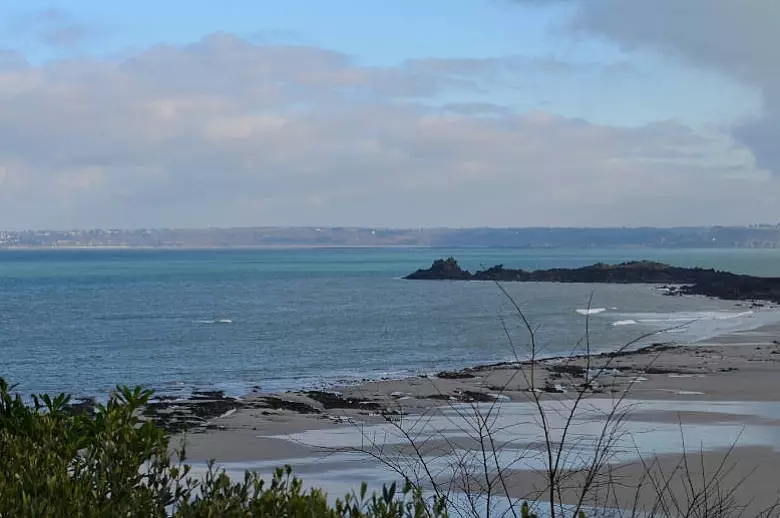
[
  {"x": 55, "y": 28},
  {"x": 227, "y": 132},
  {"x": 11, "y": 60},
  {"x": 476, "y": 108},
  {"x": 737, "y": 38}
]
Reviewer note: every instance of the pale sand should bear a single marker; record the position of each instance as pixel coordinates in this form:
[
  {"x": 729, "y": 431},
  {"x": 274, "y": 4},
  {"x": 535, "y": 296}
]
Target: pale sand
[
  {"x": 719, "y": 370},
  {"x": 748, "y": 480},
  {"x": 730, "y": 376}
]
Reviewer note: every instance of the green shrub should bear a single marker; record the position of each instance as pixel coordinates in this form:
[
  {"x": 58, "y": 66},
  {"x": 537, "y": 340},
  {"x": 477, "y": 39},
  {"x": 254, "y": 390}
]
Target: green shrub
[{"x": 108, "y": 463}]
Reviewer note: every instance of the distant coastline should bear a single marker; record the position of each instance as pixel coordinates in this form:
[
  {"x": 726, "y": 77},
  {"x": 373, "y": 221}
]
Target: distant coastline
[{"x": 750, "y": 237}]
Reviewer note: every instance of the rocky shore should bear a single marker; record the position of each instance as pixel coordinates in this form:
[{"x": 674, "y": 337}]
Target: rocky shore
[
  {"x": 683, "y": 281},
  {"x": 717, "y": 371},
  {"x": 712, "y": 389},
  {"x": 202, "y": 411}
]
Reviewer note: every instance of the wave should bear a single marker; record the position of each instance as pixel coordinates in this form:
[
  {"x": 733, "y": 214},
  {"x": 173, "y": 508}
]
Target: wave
[
  {"x": 591, "y": 311},
  {"x": 218, "y": 321},
  {"x": 734, "y": 315},
  {"x": 670, "y": 320},
  {"x": 683, "y": 317},
  {"x": 624, "y": 323}
]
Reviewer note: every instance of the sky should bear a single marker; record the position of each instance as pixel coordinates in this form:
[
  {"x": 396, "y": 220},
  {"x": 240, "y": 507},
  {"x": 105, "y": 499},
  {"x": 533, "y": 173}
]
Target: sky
[{"x": 389, "y": 113}]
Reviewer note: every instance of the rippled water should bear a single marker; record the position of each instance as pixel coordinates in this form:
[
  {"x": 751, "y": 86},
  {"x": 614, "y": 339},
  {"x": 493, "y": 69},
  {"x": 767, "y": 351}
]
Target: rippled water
[{"x": 82, "y": 321}]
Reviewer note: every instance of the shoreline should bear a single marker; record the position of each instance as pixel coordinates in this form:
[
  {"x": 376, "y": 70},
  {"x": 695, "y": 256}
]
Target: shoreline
[
  {"x": 347, "y": 380},
  {"x": 721, "y": 392},
  {"x": 735, "y": 367},
  {"x": 660, "y": 336}
]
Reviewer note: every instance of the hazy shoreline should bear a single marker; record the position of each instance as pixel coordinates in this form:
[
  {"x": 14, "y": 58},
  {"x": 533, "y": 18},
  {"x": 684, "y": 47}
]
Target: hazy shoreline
[
  {"x": 749, "y": 237},
  {"x": 726, "y": 383},
  {"x": 738, "y": 367},
  {"x": 139, "y": 303}
]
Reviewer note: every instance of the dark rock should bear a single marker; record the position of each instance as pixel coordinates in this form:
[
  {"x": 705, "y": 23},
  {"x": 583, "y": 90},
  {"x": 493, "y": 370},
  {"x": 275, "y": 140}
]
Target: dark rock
[
  {"x": 664, "y": 370},
  {"x": 84, "y": 405},
  {"x": 212, "y": 409},
  {"x": 442, "y": 269},
  {"x": 160, "y": 397},
  {"x": 678, "y": 280},
  {"x": 330, "y": 400},
  {"x": 553, "y": 389},
  {"x": 465, "y": 396},
  {"x": 192, "y": 414},
  {"x": 477, "y": 397},
  {"x": 568, "y": 370},
  {"x": 276, "y": 403},
  {"x": 655, "y": 348},
  {"x": 454, "y": 375}
]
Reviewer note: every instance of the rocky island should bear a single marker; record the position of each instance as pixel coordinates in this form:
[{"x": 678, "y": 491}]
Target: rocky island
[{"x": 685, "y": 281}]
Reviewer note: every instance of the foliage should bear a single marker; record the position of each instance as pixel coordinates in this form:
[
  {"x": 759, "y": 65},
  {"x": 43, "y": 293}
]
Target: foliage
[{"x": 57, "y": 463}]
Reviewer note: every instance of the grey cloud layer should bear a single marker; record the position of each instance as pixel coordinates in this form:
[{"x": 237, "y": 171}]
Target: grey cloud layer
[
  {"x": 737, "y": 37},
  {"x": 53, "y": 27},
  {"x": 225, "y": 132}
]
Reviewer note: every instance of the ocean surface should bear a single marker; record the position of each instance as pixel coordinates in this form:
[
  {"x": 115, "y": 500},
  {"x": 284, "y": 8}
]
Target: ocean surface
[{"x": 82, "y": 321}]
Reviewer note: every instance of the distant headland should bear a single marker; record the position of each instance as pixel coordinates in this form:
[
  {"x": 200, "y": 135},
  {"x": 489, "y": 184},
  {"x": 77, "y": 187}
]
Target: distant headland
[
  {"x": 755, "y": 236},
  {"x": 683, "y": 281}
]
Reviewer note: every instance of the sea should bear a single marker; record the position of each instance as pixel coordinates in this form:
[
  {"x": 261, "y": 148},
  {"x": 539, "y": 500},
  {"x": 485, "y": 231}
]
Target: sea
[{"x": 178, "y": 321}]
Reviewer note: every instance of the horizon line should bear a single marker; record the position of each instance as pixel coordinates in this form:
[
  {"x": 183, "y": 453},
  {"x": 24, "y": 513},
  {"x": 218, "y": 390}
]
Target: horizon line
[{"x": 384, "y": 228}]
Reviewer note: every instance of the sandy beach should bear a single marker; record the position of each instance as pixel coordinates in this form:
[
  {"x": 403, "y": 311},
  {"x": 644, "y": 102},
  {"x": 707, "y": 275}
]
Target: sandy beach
[{"x": 718, "y": 398}]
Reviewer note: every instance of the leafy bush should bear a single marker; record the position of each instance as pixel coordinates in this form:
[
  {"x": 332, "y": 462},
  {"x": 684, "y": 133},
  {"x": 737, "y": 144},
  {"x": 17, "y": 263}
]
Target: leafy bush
[{"x": 108, "y": 463}]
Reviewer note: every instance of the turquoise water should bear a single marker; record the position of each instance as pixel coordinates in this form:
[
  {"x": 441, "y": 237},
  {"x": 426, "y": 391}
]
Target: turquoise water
[{"x": 81, "y": 321}]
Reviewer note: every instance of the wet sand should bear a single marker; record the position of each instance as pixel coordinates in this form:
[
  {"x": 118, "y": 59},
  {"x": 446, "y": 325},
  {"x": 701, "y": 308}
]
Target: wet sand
[
  {"x": 718, "y": 396},
  {"x": 739, "y": 482}
]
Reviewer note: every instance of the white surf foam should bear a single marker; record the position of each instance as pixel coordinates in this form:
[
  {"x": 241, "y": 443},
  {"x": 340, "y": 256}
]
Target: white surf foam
[
  {"x": 684, "y": 316},
  {"x": 693, "y": 326},
  {"x": 733, "y": 315},
  {"x": 591, "y": 311},
  {"x": 629, "y": 322}
]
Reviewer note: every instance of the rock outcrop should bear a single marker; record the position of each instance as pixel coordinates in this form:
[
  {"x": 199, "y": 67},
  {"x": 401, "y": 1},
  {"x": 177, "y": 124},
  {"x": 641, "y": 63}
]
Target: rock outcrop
[{"x": 692, "y": 281}]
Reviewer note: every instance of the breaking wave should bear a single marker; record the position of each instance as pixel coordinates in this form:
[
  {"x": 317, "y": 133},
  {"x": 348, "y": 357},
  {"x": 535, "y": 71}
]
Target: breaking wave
[
  {"x": 624, "y": 323},
  {"x": 591, "y": 311}
]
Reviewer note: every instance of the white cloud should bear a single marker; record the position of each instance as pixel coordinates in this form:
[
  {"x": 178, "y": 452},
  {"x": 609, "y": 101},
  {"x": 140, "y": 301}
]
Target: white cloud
[
  {"x": 226, "y": 132},
  {"x": 53, "y": 27},
  {"x": 738, "y": 38}
]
